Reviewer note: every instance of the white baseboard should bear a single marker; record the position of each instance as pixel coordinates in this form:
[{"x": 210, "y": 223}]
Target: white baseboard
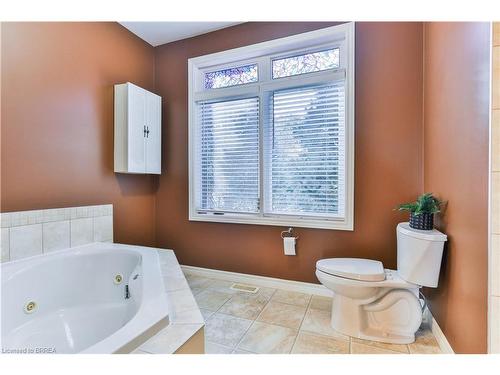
[
  {"x": 438, "y": 333},
  {"x": 263, "y": 281},
  {"x": 302, "y": 287}
]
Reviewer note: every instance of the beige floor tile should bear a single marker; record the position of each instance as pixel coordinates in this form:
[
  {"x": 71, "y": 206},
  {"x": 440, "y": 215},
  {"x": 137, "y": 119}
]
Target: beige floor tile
[
  {"x": 223, "y": 286},
  {"x": 244, "y": 306},
  {"x": 321, "y": 303},
  {"x": 382, "y": 345},
  {"x": 212, "y": 348},
  {"x": 241, "y": 351},
  {"x": 206, "y": 313},
  {"x": 211, "y": 300},
  {"x": 282, "y": 314},
  {"x": 198, "y": 281},
  {"x": 308, "y": 343},
  {"x": 196, "y": 291},
  {"x": 318, "y": 321},
  {"x": 357, "y": 348},
  {"x": 425, "y": 343},
  {"x": 225, "y": 329},
  {"x": 292, "y": 298},
  {"x": 263, "y": 293},
  {"x": 137, "y": 351},
  {"x": 266, "y": 338},
  {"x": 261, "y": 298}
]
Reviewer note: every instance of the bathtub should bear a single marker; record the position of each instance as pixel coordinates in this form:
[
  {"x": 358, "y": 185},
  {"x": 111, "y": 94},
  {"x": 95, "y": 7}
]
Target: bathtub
[{"x": 97, "y": 298}]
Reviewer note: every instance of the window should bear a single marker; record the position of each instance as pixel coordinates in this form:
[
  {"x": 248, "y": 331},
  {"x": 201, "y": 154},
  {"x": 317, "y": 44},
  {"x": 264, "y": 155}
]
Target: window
[
  {"x": 306, "y": 63},
  {"x": 271, "y": 132},
  {"x": 231, "y": 77}
]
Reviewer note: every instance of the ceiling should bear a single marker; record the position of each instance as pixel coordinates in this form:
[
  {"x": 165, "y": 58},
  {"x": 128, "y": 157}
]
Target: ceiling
[{"x": 157, "y": 33}]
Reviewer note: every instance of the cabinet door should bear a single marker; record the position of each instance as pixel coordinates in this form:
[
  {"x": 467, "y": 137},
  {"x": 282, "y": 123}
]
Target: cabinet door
[
  {"x": 153, "y": 137},
  {"x": 136, "y": 126}
]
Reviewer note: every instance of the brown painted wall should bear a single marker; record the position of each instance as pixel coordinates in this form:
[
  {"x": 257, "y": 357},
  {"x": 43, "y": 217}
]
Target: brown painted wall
[
  {"x": 456, "y": 110},
  {"x": 57, "y": 147},
  {"x": 57, "y": 121},
  {"x": 388, "y": 155}
]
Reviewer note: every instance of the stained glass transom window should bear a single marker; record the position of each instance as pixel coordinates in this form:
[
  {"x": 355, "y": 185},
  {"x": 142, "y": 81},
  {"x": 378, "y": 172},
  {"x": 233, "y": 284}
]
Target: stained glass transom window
[
  {"x": 231, "y": 77},
  {"x": 307, "y": 63}
]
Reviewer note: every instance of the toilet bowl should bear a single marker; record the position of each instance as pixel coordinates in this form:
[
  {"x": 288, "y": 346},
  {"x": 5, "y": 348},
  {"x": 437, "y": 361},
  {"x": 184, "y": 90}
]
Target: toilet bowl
[{"x": 379, "y": 304}]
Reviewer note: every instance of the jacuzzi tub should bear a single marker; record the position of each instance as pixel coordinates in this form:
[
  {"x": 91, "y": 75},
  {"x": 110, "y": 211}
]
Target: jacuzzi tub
[{"x": 97, "y": 298}]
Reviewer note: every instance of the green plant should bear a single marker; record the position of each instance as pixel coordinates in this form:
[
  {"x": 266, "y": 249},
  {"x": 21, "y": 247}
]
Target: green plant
[{"x": 425, "y": 204}]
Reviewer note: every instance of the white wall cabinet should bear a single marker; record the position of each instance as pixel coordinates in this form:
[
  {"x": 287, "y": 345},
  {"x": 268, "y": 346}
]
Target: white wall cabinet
[{"x": 137, "y": 130}]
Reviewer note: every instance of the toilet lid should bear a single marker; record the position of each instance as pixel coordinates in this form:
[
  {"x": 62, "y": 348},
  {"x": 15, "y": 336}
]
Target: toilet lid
[{"x": 353, "y": 268}]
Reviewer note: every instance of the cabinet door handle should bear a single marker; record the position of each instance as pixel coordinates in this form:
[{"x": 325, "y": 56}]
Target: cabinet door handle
[
  {"x": 144, "y": 131},
  {"x": 147, "y": 132}
]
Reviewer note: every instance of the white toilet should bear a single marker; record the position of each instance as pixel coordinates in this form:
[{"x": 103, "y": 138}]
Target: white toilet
[{"x": 379, "y": 304}]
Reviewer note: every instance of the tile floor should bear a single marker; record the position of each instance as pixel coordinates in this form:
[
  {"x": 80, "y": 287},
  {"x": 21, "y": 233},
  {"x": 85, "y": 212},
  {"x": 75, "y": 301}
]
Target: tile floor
[{"x": 280, "y": 321}]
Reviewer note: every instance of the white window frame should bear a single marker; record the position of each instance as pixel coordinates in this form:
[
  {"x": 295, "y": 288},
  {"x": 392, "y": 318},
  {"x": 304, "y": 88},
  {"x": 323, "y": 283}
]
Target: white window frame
[{"x": 341, "y": 36}]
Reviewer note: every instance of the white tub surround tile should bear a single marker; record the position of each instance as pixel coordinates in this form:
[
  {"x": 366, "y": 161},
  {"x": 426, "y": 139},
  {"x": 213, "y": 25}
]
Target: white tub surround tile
[
  {"x": 60, "y": 228},
  {"x": 5, "y": 244},
  {"x": 171, "y": 338},
  {"x": 25, "y": 241},
  {"x": 180, "y": 301},
  {"x": 82, "y": 231},
  {"x": 174, "y": 282},
  {"x": 56, "y": 235},
  {"x": 103, "y": 228},
  {"x": 186, "y": 322}
]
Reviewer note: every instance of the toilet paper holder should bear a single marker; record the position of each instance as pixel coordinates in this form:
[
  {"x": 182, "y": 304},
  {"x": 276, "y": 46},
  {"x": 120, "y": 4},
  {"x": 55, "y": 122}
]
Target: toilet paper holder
[{"x": 288, "y": 233}]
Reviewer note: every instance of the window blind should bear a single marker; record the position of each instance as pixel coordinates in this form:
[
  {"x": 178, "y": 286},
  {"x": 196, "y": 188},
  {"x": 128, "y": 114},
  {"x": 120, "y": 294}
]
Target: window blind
[
  {"x": 228, "y": 156},
  {"x": 305, "y": 151}
]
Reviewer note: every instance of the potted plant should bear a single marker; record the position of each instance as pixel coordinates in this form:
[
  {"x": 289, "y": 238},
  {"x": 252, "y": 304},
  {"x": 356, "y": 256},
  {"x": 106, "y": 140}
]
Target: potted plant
[{"x": 422, "y": 211}]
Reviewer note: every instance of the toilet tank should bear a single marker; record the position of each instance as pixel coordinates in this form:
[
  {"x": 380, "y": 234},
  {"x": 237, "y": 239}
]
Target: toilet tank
[{"x": 419, "y": 254}]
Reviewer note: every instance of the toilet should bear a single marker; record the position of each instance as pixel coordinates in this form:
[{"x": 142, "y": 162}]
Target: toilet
[{"x": 378, "y": 304}]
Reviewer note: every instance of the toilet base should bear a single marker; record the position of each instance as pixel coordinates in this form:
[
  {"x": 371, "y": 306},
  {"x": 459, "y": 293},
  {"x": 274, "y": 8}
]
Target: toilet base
[
  {"x": 393, "y": 317},
  {"x": 386, "y": 337}
]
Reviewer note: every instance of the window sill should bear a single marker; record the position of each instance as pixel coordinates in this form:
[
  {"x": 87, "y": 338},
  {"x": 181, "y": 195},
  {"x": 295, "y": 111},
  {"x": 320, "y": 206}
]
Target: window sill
[{"x": 344, "y": 224}]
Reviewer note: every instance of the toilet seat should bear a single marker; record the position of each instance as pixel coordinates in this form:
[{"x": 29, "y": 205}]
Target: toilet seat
[
  {"x": 392, "y": 280},
  {"x": 353, "y": 268}
]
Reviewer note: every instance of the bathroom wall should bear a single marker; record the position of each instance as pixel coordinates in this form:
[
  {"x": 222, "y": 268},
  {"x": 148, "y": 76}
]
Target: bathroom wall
[
  {"x": 388, "y": 155},
  {"x": 494, "y": 289},
  {"x": 456, "y": 122},
  {"x": 57, "y": 121}
]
